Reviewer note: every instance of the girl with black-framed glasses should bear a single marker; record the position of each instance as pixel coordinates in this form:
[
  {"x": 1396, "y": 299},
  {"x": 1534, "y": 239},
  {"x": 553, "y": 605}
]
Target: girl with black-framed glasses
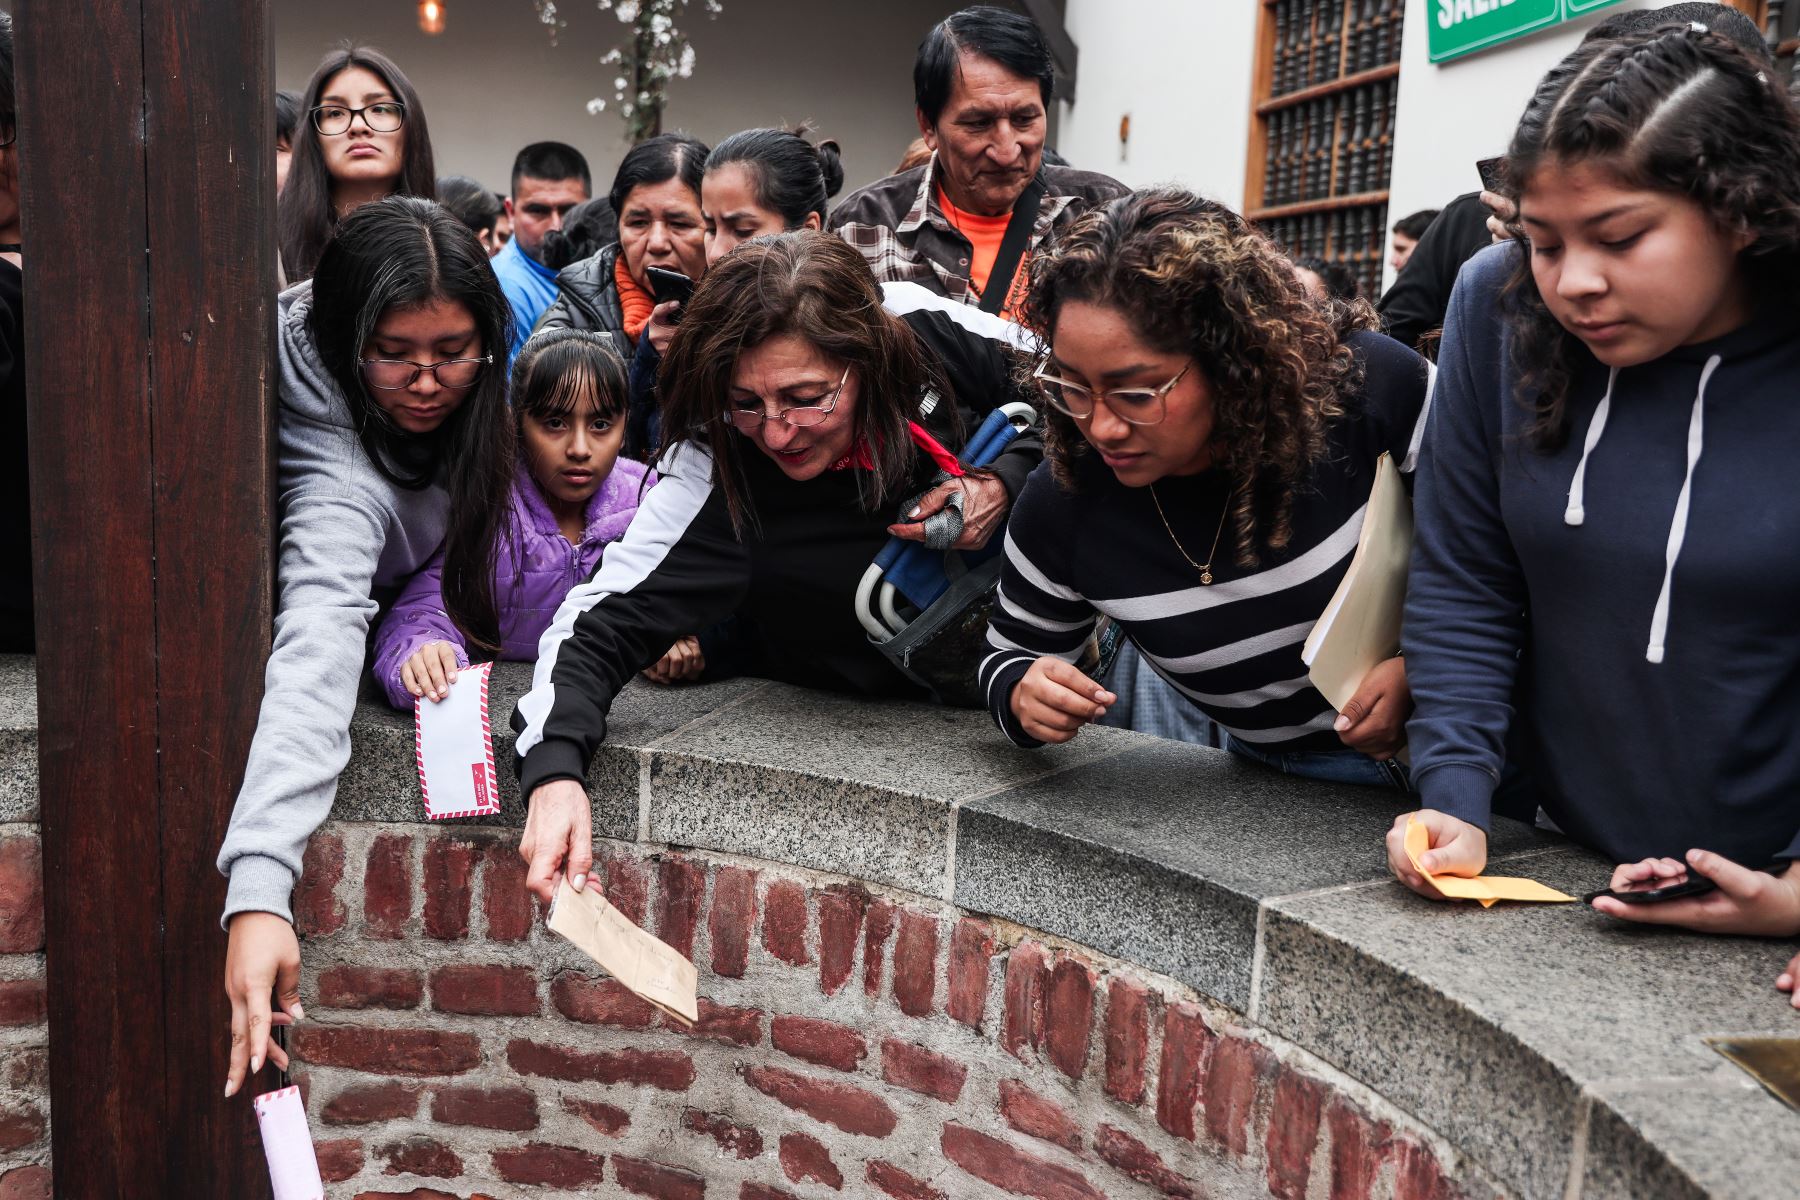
[{"x": 364, "y": 137}]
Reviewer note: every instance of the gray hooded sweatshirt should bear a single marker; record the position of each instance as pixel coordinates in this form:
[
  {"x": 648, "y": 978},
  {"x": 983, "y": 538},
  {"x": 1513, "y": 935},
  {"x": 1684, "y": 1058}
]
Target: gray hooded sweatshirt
[{"x": 346, "y": 532}]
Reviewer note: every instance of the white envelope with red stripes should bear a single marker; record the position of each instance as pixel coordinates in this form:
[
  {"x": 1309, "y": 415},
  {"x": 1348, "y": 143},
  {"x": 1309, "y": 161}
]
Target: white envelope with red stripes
[{"x": 456, "y": 750}]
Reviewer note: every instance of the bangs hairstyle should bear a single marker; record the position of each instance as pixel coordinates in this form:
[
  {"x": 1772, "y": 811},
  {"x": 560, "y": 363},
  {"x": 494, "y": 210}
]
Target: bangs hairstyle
[
  {"x": 400, "y": 253},
  {"x": 304, "y": 215},
  {"x": 817, "y": 287},
  {"x": 1195, "y": 278},
  {"x": 559, "y": 371},
  {"x": 1677, "y": 109}
]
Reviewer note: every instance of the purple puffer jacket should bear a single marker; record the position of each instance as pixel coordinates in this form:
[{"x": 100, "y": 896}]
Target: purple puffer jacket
[{"x": 533, "y": 574}]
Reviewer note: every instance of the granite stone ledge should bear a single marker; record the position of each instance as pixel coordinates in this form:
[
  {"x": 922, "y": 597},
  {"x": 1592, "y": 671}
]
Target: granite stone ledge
[
  {"x": 1163, "y": 855},
  {"x": 866, "y": 789},
  {"x": 18, "y": 738},
  {"x": 1525, "y": 1010},
  {"x": 1561, "y": 1052}
]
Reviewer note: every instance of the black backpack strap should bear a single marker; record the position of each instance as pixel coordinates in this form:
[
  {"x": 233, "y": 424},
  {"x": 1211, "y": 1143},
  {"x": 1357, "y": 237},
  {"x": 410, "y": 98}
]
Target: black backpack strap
[{"x": 1012, "y": 246}]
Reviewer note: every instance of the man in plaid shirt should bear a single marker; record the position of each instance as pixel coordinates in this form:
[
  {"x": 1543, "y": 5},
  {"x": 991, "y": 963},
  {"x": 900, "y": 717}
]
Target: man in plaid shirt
[{"x": 981, "y": 83}]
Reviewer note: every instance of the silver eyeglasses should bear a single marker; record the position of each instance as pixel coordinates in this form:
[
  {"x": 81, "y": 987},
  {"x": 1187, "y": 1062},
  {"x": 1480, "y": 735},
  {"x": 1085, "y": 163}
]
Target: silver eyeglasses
[
  {"x": 1134, "y": 406},
  {"x": 748, "y": 415}
]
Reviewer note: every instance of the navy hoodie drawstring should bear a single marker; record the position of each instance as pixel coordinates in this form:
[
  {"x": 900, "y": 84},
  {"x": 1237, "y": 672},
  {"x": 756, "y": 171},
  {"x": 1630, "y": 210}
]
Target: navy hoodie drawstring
[{"x": 1576, "y": 513}]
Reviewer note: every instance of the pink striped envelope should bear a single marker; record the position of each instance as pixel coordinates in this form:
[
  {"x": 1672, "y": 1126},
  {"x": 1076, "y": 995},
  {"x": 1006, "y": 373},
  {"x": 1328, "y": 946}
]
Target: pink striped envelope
[
  {"x": 287, "y": 1144},
  {"x": 456, "y": 749}
]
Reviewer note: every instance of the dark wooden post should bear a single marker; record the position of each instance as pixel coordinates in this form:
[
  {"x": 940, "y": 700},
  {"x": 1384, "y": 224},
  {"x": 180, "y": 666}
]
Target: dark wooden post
[{"x": 146, "y": 143}]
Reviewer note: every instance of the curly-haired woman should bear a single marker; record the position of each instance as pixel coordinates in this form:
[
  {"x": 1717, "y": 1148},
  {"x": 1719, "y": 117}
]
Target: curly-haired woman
[
  {"x": 1212, "y": 442},
  {"x": 1610, "y": 464}
]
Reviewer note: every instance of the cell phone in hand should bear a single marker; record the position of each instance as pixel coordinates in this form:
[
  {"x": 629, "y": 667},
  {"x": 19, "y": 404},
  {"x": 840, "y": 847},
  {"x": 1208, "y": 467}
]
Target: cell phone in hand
[
  {"x": 1655, "y": 891},
  {"x": 1693, "y": 885},
  {"x": 1492, "y": 172},
  {"x": 669, "y": 285}
]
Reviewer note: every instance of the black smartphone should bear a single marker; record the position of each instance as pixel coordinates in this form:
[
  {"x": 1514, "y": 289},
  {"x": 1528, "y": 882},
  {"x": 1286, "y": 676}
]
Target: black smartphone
[
  {"x": 669, "y": 285},
  {"x": 1491, "y": 170},
  {"x": 1694, "y": 885}
]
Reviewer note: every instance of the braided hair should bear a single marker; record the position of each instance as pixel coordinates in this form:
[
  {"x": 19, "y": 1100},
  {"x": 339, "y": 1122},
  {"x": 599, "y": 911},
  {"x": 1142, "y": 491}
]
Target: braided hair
[{"x": 1675, "y": 109}]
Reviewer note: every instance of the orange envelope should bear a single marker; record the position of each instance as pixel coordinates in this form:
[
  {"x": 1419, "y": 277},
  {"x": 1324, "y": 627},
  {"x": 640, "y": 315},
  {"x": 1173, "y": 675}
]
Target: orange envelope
[{"x": 1485, "y": 888}]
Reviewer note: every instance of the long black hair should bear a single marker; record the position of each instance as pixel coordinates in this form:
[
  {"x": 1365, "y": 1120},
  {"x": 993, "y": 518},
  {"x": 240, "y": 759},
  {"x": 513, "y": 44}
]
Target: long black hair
[
  {"x": 305, "y": 216},
  {"x": 1676, "y": 109},
  {"x": 397, "y": 253},
  {"x": 789, "y": 174}
]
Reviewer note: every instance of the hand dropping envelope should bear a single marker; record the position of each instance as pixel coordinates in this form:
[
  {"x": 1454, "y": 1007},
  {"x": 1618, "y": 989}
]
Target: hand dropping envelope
[
  {"x": 1485, "y": 888},
  {"x": 648, "y": 967},
  {"x": 456, "y": 750}
]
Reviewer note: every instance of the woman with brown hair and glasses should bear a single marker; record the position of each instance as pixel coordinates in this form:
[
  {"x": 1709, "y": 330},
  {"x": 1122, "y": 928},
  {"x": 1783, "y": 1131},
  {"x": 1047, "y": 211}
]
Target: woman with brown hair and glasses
[
  {"x": 361, "y": 137},
  {"x": 802, "y": 407},
  {"x": 1212, "y": 442}
]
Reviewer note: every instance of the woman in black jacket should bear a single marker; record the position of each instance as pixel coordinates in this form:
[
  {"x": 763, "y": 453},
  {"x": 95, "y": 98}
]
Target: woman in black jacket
[
  {"x": 656, "y": 196},
  {"x": 801, "y": 414}
]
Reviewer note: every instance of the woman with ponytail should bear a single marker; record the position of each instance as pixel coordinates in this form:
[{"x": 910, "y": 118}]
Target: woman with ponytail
[
  {"x": 1605, "y": 576},
  {"x": 394, "y": 440}
]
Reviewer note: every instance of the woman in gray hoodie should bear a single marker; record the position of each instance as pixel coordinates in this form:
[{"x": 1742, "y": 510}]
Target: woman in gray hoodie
[{"x": 394, "y": 440}]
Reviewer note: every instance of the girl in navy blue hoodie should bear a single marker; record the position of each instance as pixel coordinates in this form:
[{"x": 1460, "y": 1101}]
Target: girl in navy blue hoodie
[{"x": 1608, "y": 527}]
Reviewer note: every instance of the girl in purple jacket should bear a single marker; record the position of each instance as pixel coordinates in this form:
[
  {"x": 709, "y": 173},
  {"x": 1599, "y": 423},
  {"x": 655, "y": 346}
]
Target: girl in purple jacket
[{"x": 573, "y": 496}]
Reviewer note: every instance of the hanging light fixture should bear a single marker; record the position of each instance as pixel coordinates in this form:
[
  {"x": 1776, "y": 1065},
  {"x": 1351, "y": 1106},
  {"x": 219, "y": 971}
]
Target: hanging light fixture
[{"x": 431, "y": 16}]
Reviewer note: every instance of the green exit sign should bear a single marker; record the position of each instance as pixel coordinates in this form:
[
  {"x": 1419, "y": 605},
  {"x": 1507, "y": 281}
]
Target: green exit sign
[{"x": 1459, "y": 27}]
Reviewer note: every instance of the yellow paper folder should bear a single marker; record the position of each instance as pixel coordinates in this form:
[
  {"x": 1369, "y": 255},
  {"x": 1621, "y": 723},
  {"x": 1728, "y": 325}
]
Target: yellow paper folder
[
  {"x": 1485, "y": 888},
  {"x": 1360, "y": 628}
]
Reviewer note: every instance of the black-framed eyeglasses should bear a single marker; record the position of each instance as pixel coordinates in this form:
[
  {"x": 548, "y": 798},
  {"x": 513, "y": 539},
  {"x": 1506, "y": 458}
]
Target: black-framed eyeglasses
[
  {"x": 1134, "y": 406},
  {"x": 9, "y": 132},
  {"x": 333, "y": 119},
  {"x": 397, "y": 374},
  {"x": 748, "y": 420}
]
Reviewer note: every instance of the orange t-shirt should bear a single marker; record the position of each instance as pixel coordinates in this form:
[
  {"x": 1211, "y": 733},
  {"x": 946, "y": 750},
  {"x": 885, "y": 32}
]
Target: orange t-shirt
[{"x": 985, "y": 235}]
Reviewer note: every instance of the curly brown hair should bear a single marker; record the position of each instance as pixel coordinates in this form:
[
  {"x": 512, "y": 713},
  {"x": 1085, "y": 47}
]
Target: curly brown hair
[
  {"x": 1195, "y": 278},
  {"x": 1673, "y": 109}
]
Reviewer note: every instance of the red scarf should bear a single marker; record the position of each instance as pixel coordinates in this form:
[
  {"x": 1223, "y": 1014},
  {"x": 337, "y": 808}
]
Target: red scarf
[
  {"x": 634, "y": 301},
  {"x": 946, "y": 461}
]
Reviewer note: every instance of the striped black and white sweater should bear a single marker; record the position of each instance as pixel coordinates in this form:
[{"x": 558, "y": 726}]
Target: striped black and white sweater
[
  {"x": 790, "y": 581},
  {"x": 1233, "y": 648}
]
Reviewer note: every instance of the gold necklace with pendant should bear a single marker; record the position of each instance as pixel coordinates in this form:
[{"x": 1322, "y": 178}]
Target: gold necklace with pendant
[{"x": 1204, "y": 568}]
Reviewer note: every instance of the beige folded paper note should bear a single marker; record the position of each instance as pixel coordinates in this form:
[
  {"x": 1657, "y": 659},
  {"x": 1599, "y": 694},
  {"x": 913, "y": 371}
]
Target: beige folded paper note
[
  {"x": 648, "y": 967},
  {"x": 1485, "y": 888}
]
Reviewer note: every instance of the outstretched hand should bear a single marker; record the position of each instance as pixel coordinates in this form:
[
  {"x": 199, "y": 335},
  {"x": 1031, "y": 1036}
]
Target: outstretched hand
[
  {"x": 262, "y": 960},
  {"x": 1054, "y": 700},
  {"x": 1747, "y": 902},
  {"x": 559, "y": 832}
]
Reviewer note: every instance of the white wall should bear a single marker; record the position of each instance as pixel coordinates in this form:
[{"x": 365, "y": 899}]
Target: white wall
[
  {"x": 1463, "y": 110},
  {"x": 492, "y": 82},
  {"x": 1181, "y": 68}
]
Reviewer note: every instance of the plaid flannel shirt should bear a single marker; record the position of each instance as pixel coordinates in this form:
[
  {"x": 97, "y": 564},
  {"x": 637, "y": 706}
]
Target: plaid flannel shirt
[{"x": 900, "y": 228}]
